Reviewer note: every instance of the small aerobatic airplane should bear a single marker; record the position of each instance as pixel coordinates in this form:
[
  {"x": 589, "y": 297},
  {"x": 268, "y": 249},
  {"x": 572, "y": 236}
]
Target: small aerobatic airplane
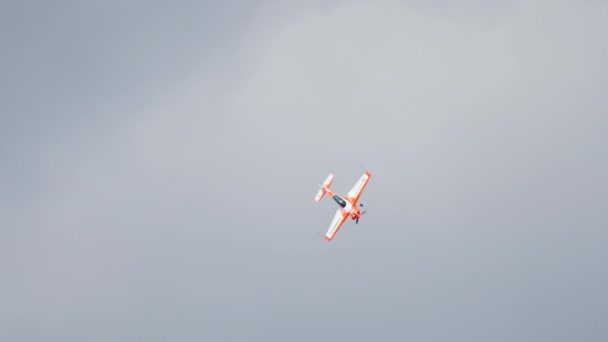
[{"x": 347, "y": 204}]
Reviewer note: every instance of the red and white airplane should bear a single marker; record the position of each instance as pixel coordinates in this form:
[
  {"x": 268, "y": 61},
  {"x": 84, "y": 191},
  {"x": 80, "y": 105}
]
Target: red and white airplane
[{"x": 347, "y": 204}]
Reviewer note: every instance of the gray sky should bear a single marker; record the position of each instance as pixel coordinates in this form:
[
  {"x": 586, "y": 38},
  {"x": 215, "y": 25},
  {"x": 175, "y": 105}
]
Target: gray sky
[{"x": 159, "y": 163}]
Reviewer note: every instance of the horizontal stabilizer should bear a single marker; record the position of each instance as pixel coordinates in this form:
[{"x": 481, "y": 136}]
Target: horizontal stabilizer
[{"x": 325, "y": 187}]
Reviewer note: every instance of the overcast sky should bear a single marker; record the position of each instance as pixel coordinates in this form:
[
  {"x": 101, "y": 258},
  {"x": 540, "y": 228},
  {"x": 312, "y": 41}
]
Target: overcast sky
[{"x": 159, "y": 160}]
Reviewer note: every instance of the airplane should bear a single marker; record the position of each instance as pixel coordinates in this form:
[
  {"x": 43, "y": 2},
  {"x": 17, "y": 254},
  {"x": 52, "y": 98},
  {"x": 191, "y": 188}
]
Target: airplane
[{"x": 347, "y": 205}]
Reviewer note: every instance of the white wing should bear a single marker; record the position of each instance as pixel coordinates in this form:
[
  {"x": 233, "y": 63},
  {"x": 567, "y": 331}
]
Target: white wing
[
  {"x": 357, "y": 189},
  {"x": 335, "y": 225}
]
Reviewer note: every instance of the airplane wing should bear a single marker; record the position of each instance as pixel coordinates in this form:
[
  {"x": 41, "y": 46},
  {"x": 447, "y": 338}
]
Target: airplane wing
[
  {"x": 335, "y": 225},
  {"x": 357, "y": 189}
]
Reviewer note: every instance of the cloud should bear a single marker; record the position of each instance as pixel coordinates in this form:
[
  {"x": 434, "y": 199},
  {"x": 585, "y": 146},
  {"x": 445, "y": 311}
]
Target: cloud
[{"x": 188, "y": 212}]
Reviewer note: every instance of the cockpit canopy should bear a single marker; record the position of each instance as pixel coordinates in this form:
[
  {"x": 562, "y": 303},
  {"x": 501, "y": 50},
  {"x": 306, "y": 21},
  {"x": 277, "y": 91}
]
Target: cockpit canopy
[{"x": 339, "y": 200}]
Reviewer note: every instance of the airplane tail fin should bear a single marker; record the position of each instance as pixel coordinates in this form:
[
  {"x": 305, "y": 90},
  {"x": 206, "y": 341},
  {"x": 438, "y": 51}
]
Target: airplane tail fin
[{"x": 325, "y": 187}]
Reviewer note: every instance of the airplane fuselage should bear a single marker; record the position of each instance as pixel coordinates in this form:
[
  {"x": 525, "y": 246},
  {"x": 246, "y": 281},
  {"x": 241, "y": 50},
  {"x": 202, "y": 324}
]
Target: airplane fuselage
[{"x": 346, "y": 206}]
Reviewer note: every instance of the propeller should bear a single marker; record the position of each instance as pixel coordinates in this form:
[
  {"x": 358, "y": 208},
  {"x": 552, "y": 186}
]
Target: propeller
[{"x": 357, "y": 219}]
